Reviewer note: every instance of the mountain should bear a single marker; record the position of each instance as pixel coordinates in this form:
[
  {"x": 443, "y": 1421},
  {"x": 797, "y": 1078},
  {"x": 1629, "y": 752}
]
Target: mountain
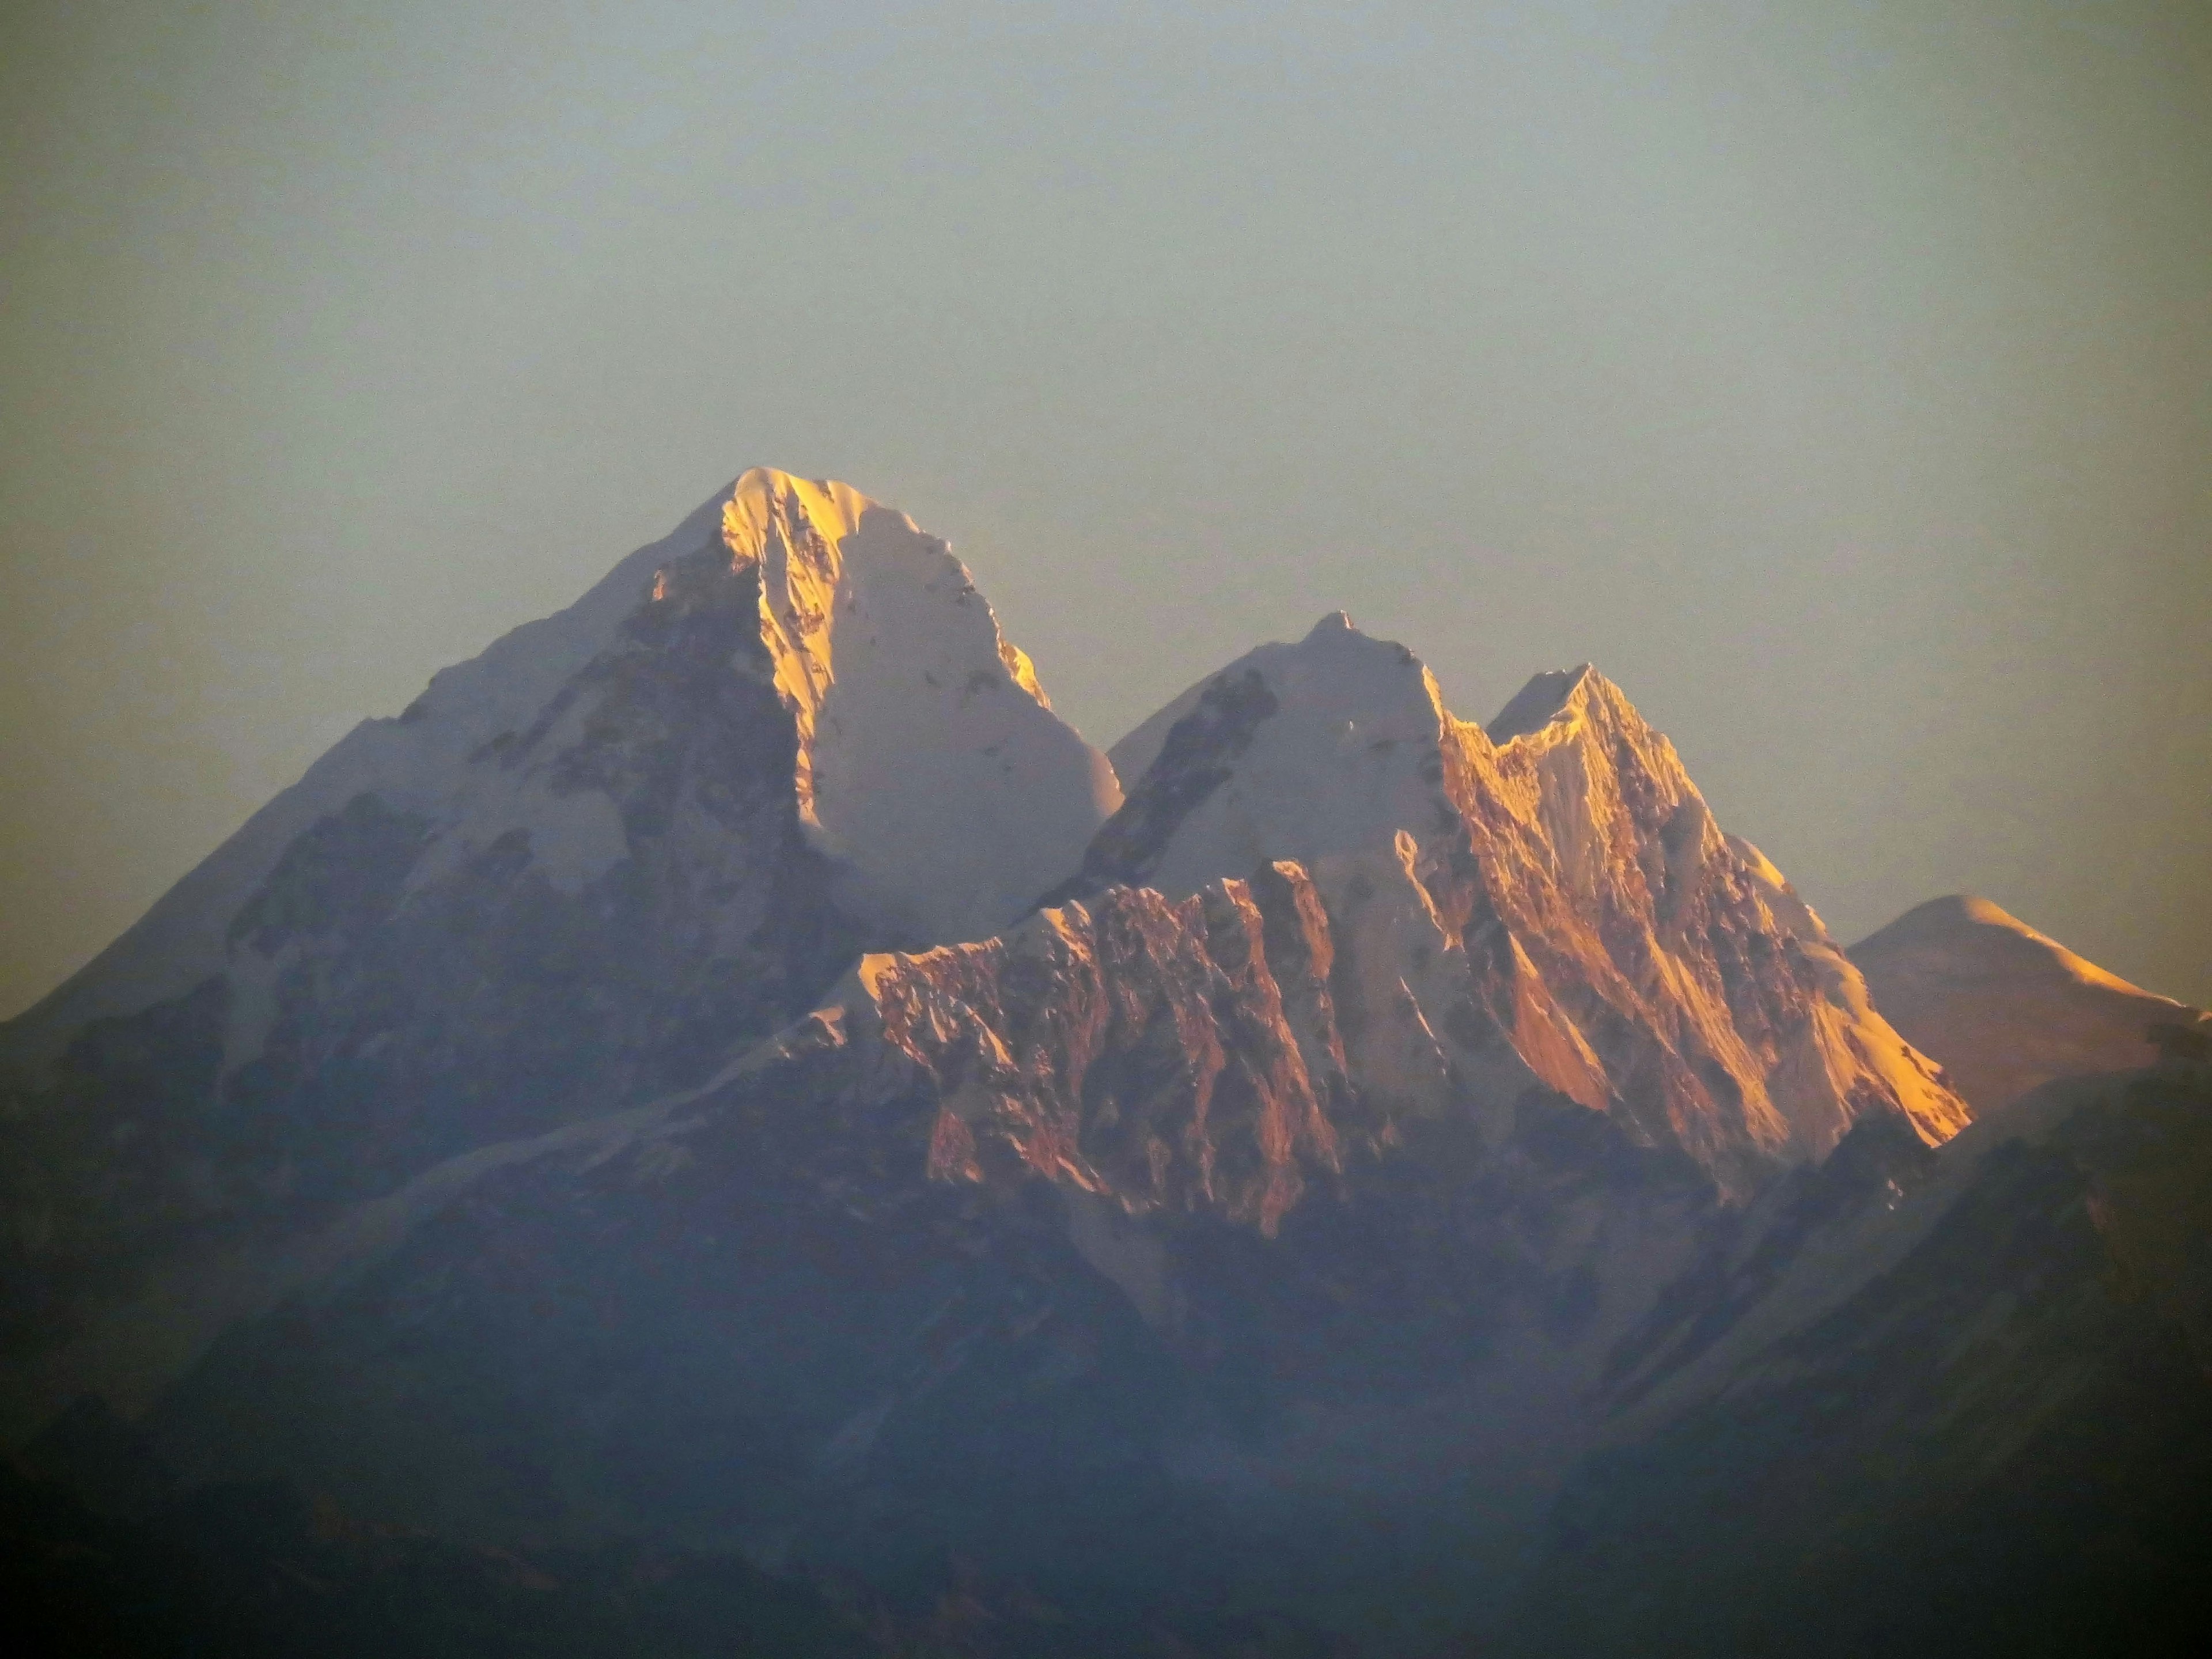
[
  {"x": 2001, "y": 1008},
  {"x": 729, "y": 1080},
  {"x": 1321, "y": 1170},
  {"x": 1944, "y": 1400},
  {"x": 855, "y": 1303},
  {"x": 576, "y": 871},
  {"x": 1549, "y": 902},
  {"x": 262, "y": 1573}
]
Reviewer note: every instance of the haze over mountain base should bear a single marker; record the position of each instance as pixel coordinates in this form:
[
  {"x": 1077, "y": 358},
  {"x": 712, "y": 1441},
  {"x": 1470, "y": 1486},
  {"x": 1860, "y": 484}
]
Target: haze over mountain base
[{"x": 728, "y": 1079}]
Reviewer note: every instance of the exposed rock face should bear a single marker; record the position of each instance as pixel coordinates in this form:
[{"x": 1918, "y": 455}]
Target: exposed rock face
[
  {"x": 579, "y": 870},
  {"x": 743, "y": 1316},
  {"x": 2001, "y": 1008},
  {"x": 1548, "y": 902},
  {"x": 1134, "y": 1049}
]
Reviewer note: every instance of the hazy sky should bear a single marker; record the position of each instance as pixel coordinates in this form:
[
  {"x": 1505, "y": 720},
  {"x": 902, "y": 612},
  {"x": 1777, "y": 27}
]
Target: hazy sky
[{"x": 1838, "y": 376}]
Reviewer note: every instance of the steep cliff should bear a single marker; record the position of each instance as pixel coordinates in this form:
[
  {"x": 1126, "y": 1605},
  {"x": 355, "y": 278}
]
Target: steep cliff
[{"x": 929, "y": 760}]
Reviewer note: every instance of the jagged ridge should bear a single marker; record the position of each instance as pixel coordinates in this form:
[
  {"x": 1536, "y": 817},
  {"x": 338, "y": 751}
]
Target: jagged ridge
[
  {"x": 1180, "y": 1054},
  {"x": 1556, "y": 901}
]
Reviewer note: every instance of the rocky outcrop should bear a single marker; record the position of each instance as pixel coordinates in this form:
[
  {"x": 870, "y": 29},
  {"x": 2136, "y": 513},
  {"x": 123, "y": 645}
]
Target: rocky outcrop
[
  {"x": 1180, "y": 1055},
  {"x": 1769, "y": 1045},
  {"x": 978, "y": 1257},
  {"x": 1067, "y": 1252}
]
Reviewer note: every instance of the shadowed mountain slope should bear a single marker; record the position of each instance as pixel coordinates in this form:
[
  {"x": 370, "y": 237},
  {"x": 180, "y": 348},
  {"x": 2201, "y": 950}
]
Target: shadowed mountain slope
[{"x": 1960, "y": 1403}]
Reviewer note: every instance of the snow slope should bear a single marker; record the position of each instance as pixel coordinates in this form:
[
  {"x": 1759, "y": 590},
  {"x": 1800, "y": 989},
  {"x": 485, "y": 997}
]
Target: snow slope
[
  {"x": 417, "y": 761},
  {"x": 2002, "y": 1007},
  {"x": 929, "y": 757}
]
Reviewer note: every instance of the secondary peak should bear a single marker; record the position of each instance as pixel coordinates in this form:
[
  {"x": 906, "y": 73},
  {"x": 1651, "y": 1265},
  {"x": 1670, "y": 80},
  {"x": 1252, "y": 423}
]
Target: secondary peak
[{"x": 1546, "y": 698}]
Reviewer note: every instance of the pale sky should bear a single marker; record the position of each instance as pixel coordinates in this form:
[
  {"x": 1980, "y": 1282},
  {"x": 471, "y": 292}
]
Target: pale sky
[{"x": 1837, "y": 376}]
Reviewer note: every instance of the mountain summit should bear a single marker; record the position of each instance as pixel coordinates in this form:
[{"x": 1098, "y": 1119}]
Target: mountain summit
[
  {"x": 577, "y": 870},
  {"x": 871, "y": 632},
  {"x": 929, "y": 758},
  {"x": 1552, "y": 897}
]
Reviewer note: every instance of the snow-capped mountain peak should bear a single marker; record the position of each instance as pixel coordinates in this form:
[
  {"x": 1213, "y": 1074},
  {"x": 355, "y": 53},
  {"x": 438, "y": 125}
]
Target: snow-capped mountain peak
[
  {"x": 579, "y": 870},
  {"x": 1555, "y": 889},
  {"x": 1295, "y": 751},
  {"x": 929, "y": 760},
  {"x": 929, "y": 757}
]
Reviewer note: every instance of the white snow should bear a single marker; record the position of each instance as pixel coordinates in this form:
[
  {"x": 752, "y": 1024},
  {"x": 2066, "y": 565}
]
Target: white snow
[
  {"x": 930, "y": 759},
  {"x": 1405, "y": 973},
  {"x": 417, "y": 763},
  {"x": 1338, "y": 767},
  {"x": 2002, "y": 1007}
]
